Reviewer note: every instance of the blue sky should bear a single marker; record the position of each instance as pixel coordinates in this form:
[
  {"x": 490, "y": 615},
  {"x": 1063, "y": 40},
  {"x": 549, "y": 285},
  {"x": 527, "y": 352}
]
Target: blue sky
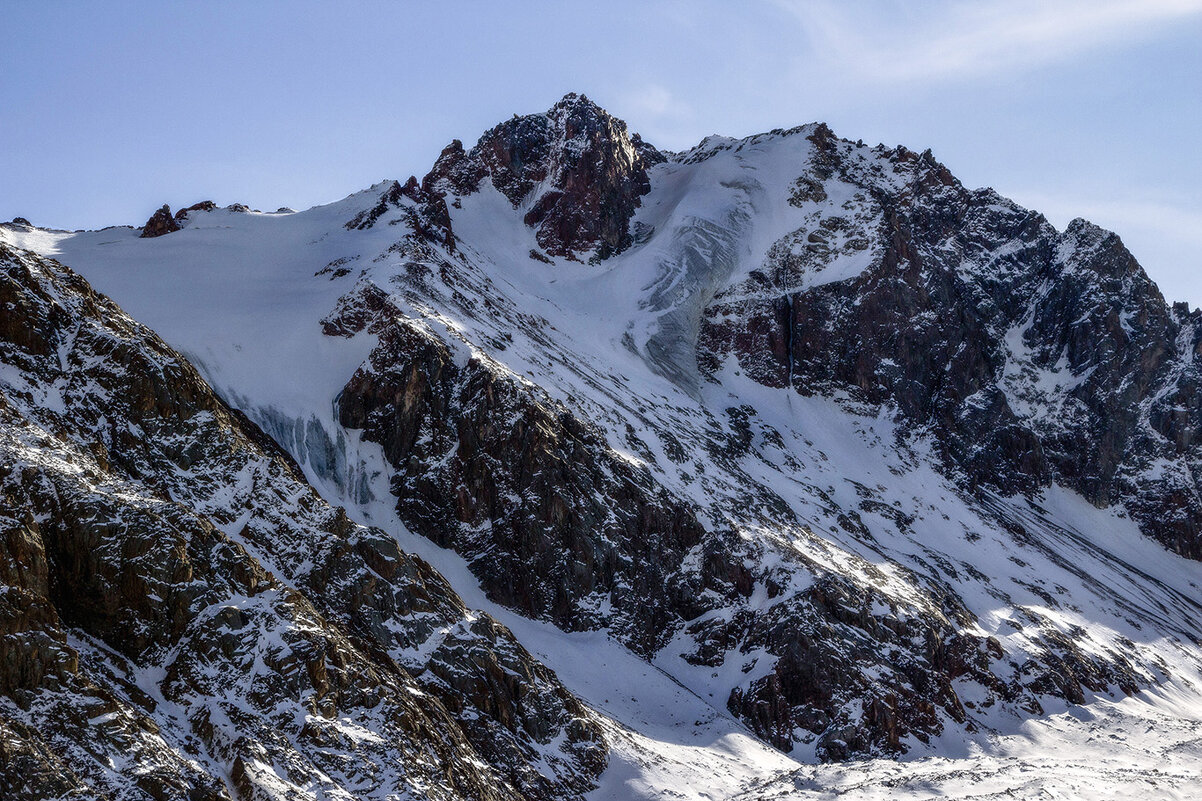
[{"x": 1074, "y": 108}]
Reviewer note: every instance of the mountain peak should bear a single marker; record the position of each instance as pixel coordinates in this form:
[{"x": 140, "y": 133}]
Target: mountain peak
[
  {"x": 578, "y": 102},
  {"x": 575, "y": 170}
]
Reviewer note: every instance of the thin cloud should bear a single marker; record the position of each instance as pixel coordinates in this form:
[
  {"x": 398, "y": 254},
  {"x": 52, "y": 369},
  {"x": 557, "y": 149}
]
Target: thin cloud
[
  {"x": 1171, "y": 221},
  {"x": 654, "y": 100},
  {"x": 659, "y": 114},
  {"x": 897, "y": 43}
]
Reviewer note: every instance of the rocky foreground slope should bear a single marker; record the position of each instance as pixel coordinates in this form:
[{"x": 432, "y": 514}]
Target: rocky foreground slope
[
  {"x": 184, "y": 616},
  {"x": 871, "y": 462}
]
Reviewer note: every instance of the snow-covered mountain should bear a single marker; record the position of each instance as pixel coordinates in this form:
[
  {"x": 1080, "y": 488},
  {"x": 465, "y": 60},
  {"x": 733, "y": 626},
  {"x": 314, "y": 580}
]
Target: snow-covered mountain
[{"x": 754, "y": 458}]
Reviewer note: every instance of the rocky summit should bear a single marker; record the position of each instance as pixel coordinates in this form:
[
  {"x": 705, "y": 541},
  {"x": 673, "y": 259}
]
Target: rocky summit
[{"x": 580, "y": 469}]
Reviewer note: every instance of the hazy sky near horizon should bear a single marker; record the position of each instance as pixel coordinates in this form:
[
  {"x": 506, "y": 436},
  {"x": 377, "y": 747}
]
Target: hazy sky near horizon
[{"x": 1077, "y": 108}]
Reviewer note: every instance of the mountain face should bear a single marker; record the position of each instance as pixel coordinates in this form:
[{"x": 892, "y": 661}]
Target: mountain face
[
  {"x": 1033, "y": 356},
  {"x": 865, "y": 460},
  {"x": 179, "y": 601}
]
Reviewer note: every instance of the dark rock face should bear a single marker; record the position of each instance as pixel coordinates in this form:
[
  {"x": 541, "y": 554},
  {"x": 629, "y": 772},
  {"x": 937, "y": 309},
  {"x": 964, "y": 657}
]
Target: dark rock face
[
  {"x": 161, "y": 222},
  {"x": 1033, "y": 356},
  {"x": 142, "y": 628},
  {"x": 816, "y": 674},
  {"x": 573, "y": 520},
  {"x": 589, "y": 172},
  {"x": 824, "y": 641}
]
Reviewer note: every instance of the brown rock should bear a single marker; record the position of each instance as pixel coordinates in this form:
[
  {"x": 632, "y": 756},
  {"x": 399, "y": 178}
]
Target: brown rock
[
  {"x": 161, "y": 222},
  {"x": 204, "y": 205}
]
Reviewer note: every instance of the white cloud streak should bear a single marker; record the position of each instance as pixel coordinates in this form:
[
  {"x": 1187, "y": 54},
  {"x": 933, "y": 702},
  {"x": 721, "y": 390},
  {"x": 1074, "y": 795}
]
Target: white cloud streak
[
  {"x": 903, "y": 43},
  {"x": 654, "y": 100},
  {"x": 1171, "y": 221}
]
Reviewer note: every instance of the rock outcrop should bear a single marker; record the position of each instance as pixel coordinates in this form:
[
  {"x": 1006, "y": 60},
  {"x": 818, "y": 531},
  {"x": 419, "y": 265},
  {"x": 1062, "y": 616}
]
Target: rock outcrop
[
  {"x": 160, "y": 223},
  {"x": 575, "y": 170},
  {"x": 204, "y": 205},
  {"x": 554, "y": 523},
  {"x": 422, "y": 208}
]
